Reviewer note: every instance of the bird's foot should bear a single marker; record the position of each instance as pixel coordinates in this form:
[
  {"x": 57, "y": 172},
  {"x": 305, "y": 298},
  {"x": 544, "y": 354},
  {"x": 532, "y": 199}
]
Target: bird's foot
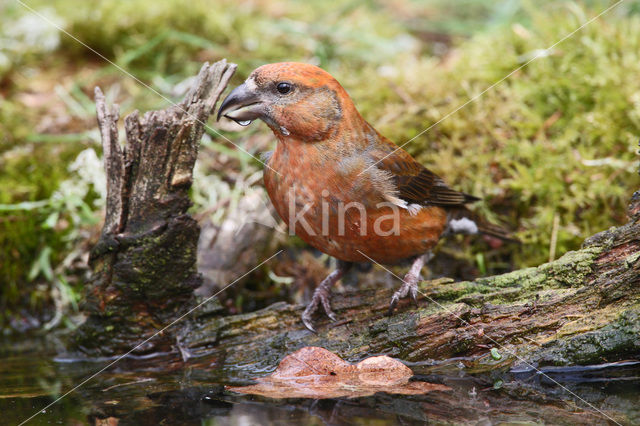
[
  {"x": 321, "y": 296},
  {"x": 409, "y": 285}
]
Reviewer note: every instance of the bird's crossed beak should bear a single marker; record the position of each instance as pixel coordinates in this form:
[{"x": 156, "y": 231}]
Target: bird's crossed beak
[{"x": 242, "y": 105}]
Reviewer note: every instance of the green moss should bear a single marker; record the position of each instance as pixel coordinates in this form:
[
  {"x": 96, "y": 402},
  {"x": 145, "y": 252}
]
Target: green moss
[
  {"x": 555, "y": 140},
  {"x": 610, "y": 343},
  {"x": 570, "y": 271},
  {"x": 170, "y": 39}
]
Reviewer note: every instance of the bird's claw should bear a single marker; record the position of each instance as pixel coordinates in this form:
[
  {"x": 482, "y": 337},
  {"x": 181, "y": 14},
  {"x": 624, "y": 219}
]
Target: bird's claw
[
  {"x": 324, "y": 298},
  {"x": 392, "y": 305},
  {"x": 409, "y": 287},
  {"x": 414, "y": 294},
  {"x": 320, "y": 297},
  {"x": 306, "y": 319}
]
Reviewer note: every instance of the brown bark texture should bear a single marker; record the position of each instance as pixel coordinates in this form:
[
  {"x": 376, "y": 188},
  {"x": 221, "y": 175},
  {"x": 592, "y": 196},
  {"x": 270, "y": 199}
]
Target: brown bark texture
[{"x": 145, "y": 261}]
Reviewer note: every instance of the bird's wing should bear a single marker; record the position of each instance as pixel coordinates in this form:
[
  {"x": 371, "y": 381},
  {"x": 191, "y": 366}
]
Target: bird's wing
[{"x": 414, "y": 182}]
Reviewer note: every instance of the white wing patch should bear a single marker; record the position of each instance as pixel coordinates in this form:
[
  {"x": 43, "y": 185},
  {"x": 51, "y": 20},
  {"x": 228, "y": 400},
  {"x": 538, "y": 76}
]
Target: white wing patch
[
  {"x": 463, "y": 226},
  {"x": 414, "y": 208}
]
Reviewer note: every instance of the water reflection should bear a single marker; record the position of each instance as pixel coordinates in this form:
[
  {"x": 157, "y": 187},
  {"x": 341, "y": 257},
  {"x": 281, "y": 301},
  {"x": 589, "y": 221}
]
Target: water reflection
[{"x": 166, "y": 390}]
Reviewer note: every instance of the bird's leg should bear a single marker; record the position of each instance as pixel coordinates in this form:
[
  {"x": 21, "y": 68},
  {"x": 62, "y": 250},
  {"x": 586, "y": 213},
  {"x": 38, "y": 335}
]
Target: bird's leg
[
  {"x": 409, "y": 283},
  {"x": 322, "y": 294}
]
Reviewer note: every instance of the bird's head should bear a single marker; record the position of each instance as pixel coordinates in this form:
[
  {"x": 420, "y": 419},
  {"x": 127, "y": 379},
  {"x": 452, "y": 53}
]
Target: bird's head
[{"x": 293, "y": 99}]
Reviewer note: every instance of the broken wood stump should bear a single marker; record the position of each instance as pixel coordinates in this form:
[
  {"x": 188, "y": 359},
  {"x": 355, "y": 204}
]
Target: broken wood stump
[{"x": 144, "y": 264}]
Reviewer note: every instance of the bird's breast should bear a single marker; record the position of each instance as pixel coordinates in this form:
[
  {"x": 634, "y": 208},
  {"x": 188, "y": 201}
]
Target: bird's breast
[{"x": 335, "y": 209}]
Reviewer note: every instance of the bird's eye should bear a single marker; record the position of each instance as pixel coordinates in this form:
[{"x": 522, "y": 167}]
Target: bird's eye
[{"x": 284, "y": 88}]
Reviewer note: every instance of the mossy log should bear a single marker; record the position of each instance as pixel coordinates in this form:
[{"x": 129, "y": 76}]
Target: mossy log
[
  {"x": 583, "y": 308},
  {"x": 145, "y": 261}
]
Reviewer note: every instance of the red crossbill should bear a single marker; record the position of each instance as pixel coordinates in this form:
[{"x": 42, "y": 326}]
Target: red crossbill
[{"x": 339, "y": 184}]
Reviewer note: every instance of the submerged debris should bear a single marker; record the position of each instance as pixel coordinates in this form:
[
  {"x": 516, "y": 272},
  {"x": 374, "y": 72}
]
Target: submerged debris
[{"x": 313, "y": 372}]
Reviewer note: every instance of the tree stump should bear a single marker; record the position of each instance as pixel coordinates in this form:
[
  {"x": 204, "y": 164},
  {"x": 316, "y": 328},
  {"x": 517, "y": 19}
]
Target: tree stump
[{"x": 145, "y": 261}]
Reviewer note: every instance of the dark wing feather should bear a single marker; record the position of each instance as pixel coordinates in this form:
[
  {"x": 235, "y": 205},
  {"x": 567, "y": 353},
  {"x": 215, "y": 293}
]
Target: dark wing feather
[{"x": 415, "y": 183}]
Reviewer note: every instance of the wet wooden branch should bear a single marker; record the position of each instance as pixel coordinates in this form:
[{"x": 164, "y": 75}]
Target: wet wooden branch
[
  {"x": 145, "y": 261},
  {"x": 583, "y": 308}
]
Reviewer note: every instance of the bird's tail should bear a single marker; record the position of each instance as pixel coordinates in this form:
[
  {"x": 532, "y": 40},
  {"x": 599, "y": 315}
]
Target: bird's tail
[{"x": 463, "y": 221}]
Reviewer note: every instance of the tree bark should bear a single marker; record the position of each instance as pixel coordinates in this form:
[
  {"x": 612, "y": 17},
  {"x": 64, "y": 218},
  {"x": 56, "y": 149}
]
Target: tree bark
[{"x": 145, "y": 261}]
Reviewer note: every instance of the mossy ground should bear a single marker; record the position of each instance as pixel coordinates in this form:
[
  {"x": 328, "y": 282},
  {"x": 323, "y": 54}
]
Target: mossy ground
[{"x": 551, "y": 149}]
